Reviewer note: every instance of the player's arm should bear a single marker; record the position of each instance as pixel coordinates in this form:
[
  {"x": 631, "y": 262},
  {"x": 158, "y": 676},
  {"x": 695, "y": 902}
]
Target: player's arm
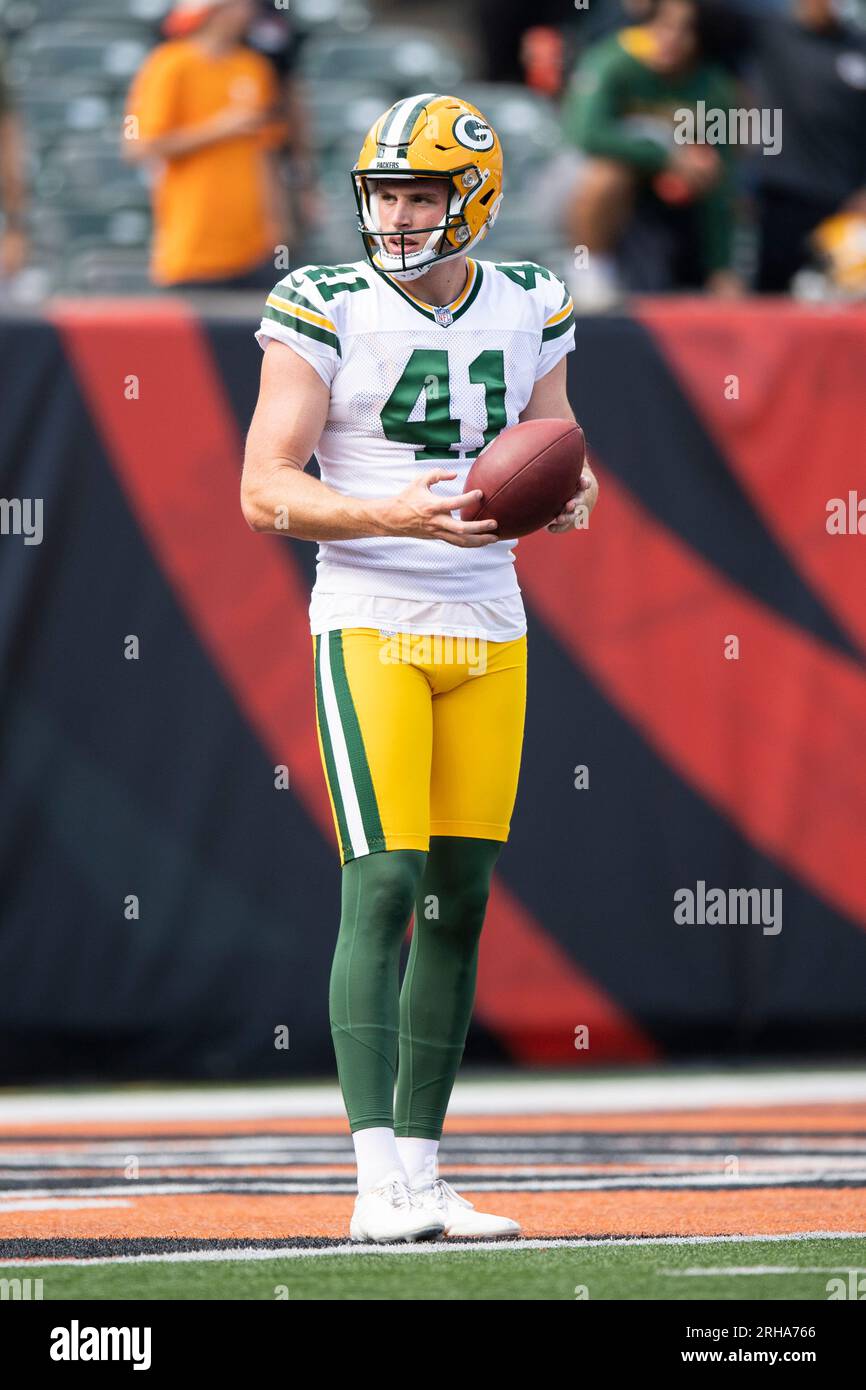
[
  {"x": 549, "y": 401},
  {"x": 278, "y": 496}
]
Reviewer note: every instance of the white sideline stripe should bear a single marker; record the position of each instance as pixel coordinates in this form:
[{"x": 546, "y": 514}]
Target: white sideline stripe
[
  {"x": 498, "y": 1148},
  {"x": 431, "y": 1247},
  {"x": 239, "y": 1188},
  {"x": 59, "y": 1204},
  {"x": 762, "y": 1269},
  {"x": 518, "y": 1173},
  {"x": 567, "y": 1160},
  {"x": 290, "y": 1187},
  {"x": 345, "y": 780},
  {"x": 575, "y": 1095},
  {"x": 571, "y": 1150}
]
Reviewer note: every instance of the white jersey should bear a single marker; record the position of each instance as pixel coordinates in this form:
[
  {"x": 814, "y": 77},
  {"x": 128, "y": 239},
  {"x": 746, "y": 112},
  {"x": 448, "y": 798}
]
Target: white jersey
[{"x": 415, "y": 387}]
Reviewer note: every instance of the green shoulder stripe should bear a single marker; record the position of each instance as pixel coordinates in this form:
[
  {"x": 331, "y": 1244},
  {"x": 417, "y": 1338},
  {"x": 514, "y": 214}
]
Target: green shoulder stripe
[
  {"x": 298, "y": 324},
  {"x": 558, "y": 329},
  {"x": 284, "y": 291}
]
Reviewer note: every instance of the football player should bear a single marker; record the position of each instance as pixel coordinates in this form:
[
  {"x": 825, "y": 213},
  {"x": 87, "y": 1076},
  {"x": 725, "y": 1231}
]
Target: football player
[{"x": 396, "y": 370}]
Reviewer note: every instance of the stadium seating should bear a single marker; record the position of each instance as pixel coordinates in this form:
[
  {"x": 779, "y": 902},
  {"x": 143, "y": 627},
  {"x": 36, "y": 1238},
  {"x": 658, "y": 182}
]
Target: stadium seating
[
  {"x": 77, "y": 52},
  {"x": 49, "y": 109},
  {"x": 81, "y": 171},
  {"x": 76, "y": 229},
  {"x": 20, "y": 14},
  {"x": 349, "y": 15},
  {"x": 109, "y": 270},
  {"x": 343, "y": 110},
  {"x": 70, "y": 77},
  {"x": 403, "y": 60}
]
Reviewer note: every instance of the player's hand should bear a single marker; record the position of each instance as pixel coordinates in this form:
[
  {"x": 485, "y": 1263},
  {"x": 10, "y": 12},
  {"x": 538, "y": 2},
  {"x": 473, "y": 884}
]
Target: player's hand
[
  {"x": 586, "y": 497},
  {"x": 416, "y": 511}
]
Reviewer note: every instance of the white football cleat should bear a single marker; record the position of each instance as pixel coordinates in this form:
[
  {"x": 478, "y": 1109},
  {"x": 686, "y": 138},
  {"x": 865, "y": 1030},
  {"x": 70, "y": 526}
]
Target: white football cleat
[
  {"x": 458, "y": 1214},
  {"x": 390, "y": 1211}
]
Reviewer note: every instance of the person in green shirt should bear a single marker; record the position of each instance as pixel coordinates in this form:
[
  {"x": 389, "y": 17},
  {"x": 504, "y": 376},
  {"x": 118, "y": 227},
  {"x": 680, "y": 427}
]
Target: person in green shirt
[{"x": 621, "y": 111}]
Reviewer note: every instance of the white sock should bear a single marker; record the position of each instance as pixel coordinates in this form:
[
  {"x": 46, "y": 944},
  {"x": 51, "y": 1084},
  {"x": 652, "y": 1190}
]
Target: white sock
[
  {"x": 419, "y": 1157},
  {"x": 377, "y": 1156}
]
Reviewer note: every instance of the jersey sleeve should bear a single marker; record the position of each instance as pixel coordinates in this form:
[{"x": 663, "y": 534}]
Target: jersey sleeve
[
  {"x": 557, "y": 332},
  {"x": 296, "y": 314}
]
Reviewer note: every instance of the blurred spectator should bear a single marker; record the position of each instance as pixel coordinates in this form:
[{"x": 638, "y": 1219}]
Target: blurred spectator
[
  {"x": 812, "y": 67},
  {"x": 542, "y": 56},
  {"x": 207, "y": 112},
  {"x": 603, "y": 17},
  {"x": 538, "y": 44},
  {"x": 275, "y": 35},
  {"x": 13, "y": 241},
  {"x": 502, "y": 26},
  {"x": 652, "y": 213}
]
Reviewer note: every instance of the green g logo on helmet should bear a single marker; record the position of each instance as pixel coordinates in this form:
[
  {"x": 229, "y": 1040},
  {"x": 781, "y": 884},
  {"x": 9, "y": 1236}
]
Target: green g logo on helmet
[{"x": 474, "y": 133}]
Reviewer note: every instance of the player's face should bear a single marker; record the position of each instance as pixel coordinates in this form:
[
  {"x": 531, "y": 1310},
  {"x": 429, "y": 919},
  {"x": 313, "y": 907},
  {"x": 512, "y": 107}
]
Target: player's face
[{"x": 407, "y": 203}]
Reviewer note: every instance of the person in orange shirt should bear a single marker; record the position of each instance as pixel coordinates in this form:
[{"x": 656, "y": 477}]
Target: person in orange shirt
[{"x": 205, "y": 110}]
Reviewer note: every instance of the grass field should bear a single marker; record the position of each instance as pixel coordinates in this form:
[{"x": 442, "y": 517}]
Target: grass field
[
  {"x": 650, "y": 1187},
  {"x": 786, "y": 1269}
]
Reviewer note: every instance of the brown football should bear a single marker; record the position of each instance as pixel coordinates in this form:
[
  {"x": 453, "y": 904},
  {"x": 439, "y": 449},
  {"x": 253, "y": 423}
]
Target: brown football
[{"x": 526, "y": 476}]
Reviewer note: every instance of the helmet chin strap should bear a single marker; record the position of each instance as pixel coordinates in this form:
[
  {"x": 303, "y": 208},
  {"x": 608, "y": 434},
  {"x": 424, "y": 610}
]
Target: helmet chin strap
[
  {"x": 394, "y": 263},
  {"x": 396, "y": 267}
]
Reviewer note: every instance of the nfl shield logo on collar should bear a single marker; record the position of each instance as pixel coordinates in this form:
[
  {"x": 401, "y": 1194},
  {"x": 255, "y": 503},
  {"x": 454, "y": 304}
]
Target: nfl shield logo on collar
[{"x": 443, "y": 315}]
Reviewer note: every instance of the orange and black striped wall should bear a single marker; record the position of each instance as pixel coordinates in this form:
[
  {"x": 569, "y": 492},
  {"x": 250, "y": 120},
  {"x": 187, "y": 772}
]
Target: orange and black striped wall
[{"x": 720, "y": 436}]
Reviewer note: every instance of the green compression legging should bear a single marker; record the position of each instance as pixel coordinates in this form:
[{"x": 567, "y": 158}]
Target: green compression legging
[{"x": 414, "y": 1035}]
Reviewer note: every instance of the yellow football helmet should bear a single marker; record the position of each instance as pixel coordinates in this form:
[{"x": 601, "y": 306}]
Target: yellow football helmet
[{"x": 437, "y": 137}]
